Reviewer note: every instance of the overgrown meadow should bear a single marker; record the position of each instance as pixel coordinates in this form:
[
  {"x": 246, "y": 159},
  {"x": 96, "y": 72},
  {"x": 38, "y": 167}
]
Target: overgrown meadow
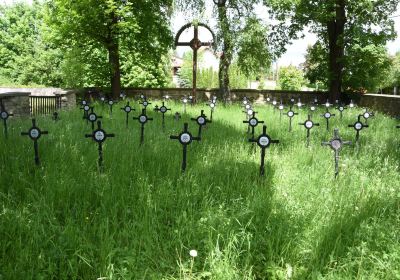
[{"x": 141, "y": 216}]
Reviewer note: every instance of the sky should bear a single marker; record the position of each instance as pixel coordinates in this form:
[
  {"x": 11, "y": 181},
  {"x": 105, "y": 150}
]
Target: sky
[{"x": 295, "y": 51}]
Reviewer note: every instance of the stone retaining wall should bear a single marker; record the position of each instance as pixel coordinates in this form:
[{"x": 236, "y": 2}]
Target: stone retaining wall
[{"x": 16, "y": 103}]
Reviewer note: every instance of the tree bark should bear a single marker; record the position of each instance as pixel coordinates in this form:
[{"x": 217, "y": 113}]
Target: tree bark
[
  {"x": 113, "y": 59},
  {"x": 226, "y": 57},
  {"x": 336, "y": 50}
]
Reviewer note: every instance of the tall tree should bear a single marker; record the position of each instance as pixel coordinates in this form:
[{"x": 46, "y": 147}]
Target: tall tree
[
  {"x": 141, "y": 26},
  {"x": 335, "y": 22}
]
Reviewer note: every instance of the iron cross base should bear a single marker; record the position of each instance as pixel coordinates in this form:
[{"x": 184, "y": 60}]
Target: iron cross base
[
  {"x": 263, "y": 141},
  {"x": 336, "y": 144},
  {"x": 185, "y": 139},
  {"x": 35, "y": 133}
]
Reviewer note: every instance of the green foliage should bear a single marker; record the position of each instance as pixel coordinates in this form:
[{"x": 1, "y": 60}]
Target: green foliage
[
  {"x": 253, "y": 55},
  {"x": 25, "y": 56},
  {"x": 139, "y": 218},
  {"x": 290, "y": 78}
]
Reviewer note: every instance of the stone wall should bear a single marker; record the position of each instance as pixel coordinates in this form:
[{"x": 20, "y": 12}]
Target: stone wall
[
  {"x": 389, "y": 104},
  {"x": 16, "y": 103}
]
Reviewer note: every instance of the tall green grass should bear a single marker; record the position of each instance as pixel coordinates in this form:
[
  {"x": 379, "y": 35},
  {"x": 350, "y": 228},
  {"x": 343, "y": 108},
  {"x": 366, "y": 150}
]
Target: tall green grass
[{"x": 140, "y": 217}]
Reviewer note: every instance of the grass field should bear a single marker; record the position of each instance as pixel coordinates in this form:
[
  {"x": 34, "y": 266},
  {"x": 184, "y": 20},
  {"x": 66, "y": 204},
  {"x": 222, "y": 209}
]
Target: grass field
[{"x": 140, "y": 217}]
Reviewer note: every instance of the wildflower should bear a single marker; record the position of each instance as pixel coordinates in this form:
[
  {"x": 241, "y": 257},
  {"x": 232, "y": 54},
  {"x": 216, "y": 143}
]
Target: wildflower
[{"x": 193, "y": 253}]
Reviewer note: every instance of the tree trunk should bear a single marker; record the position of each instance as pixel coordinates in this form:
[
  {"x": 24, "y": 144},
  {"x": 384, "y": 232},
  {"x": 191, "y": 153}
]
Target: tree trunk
[
  {"x": 336, "y": 50},
  {"x": 226, "y": 57},
  {"x": 113, "y": 59}
]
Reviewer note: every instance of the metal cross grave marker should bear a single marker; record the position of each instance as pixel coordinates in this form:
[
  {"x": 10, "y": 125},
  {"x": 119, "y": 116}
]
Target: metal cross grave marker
[
  {"x": 99, "y": 136},
  {"x": 263, "y": 141},
  {"x": 327, "y": 115},
  {"x": 358, "y": 126},
  {"x": 163, "y": 109},
  {"x": 309, "y": 124},
  {"x": 143, "y": 119},
  {"x": 127, "y": 109},
  {"x": 35, "y": 133},
  {"x": 185, "y": 138},
  {"x": 4, "y": 115},
  {"x": 253, "y": 123},
  {"x": 291, "y": 114},
  {"x": 336, "y": 144},
  {"x": 201, "y": 121},
  {"x": 92, "y": 117}
]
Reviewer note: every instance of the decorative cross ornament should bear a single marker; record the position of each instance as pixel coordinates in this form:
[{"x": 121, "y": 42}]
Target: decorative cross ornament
[
  {"x": 253, "y": 123},
  {"x": 358, "y": 126},
  {"x": 127, "y": 109},
  {"x": 4, "y": 115},
  {"x": 341, "y": 109},
  {"x": 309, "y": 124},
  {"x": 327, "y": 115},
  {"x": 92, "y": 117},
  {"x": 185, "y": 138},
  {"x": 163, "y": 109},
  {"x": 86, "y": 109},
  {"x": 201, "y": 121},
  {"x": 35, "y": 133},
  {"x": 352, "y": 105},
  {"x": 336, "y": 144},
  {"x": 99, "y": 136},
  {"x": 263, "y": 141},
  {"x": 299, "y": 104},
  {"x": 143, "y": 119},
  {"x": 291, "y": 114}
]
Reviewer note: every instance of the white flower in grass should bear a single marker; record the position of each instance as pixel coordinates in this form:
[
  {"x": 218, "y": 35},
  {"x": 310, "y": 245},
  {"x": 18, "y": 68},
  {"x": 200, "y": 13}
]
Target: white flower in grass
[{"x": 193, "y": 253}]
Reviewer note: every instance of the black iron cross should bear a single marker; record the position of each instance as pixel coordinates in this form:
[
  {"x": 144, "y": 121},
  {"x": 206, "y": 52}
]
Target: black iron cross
[
  {"x": 35, "y": 133},
  {"x": 177, "y": 116},
  {"x": 92, "y": 117},
  {"x": 327, "y": 115},
  {"x": 201, "y": 121},
  {"x": 336, "y": 144},
  {"x": 143, "y": 119},
  {"x": 127, "y": 109},
  {"x": 56, "y": 116},
  {"x": 4, "y": 115},
  {"x": 366, "y": 115},
  {"x": 309, "y": 124},
  {"x": 86, "y": 109},
  {"x": 280, "y": 107},
  {"x": 145, "y": 103},
  {"x": 163, "y": 109},
  {"x": 185, "y": 102},
  {"x": 327, "y": 104},
  {"x": 185, "y": 138},
  {"x": 111, "y": 104},
  {"x": 299, "y": 104},
  {"x": 341, "y": 109},
  {"x": 313, "y": 107},
  {"x": 263, "y": 141},
  {"x": 358, "y": 126},
  {"x": 352, "y": 105},
  {"x": 99, "y": 136},
  {"x": 291, "y": 114},
  {"x": 212, "y": 107},
  {"x": 253, "y": 122}
]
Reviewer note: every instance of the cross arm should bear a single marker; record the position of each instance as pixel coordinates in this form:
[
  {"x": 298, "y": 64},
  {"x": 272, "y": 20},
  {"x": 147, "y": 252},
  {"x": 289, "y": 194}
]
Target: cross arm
[
  {"x": 88, "y": 135},
  {"x": 326, "y": 143},
  {"x": 180, "y": 44},
  {"x": 208, "y": 121},
  {"x": 24, "y": 133},
  {"x": 193, "y": 119},
  {"x": 196, "y": 138},
  {"x": 149, "y": 119},
  {"x": 44, "y": 132},
  {"x": 260, "y": 121},
  {"x": 174, "y": 137},
  {"x": 275, "y": 141},
  {"x": 366, "y": 125},
  {"x": 347, "y": 143},
  {"x": 110, "y": 135},
  {"x": 351, "y": 125},
  {"x": 246, "y": 121}
]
